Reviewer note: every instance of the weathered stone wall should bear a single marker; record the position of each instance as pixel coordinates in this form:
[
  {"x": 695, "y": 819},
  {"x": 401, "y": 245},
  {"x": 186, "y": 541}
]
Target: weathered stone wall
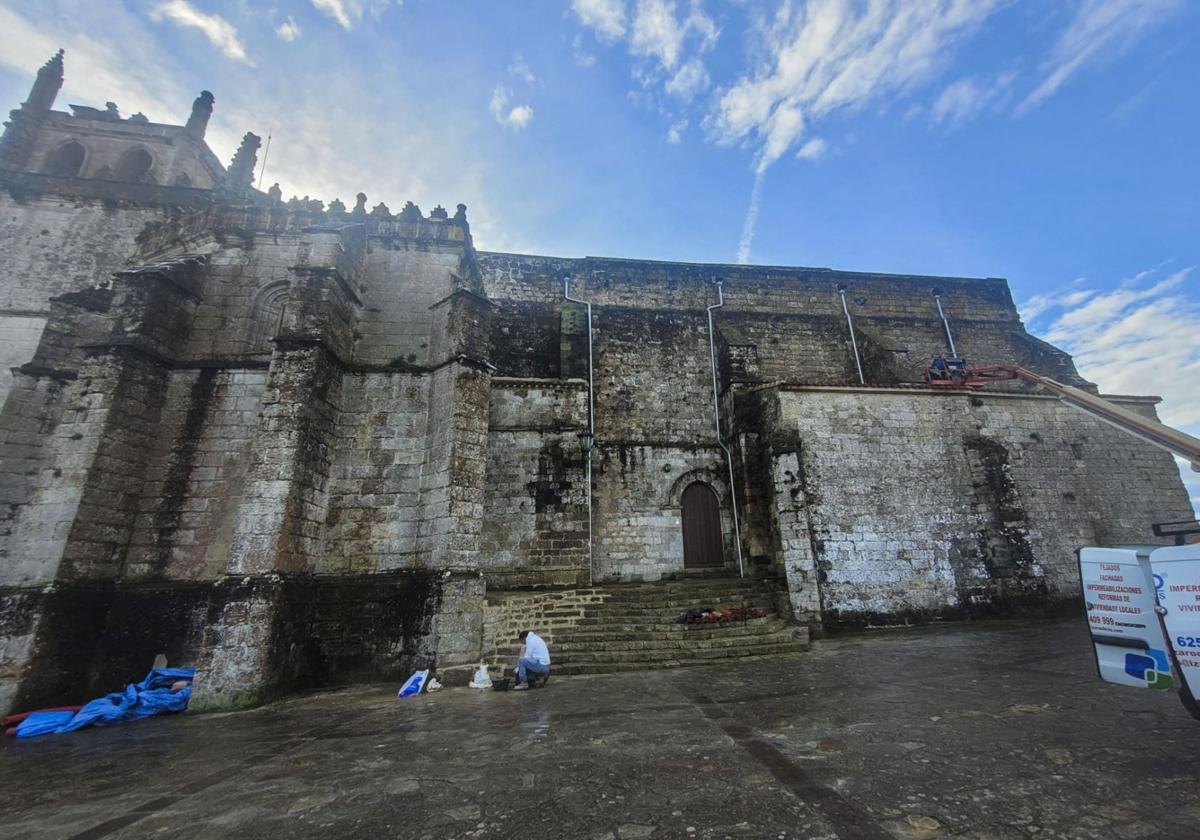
[
  {"x": 54, "y": 245},
  {"x": 191, "y": 491},
  {"x": 654, "y": 424},
  {"x": 954, "y": 504},
  {"x": 454, "y": 473},
  {"x": 638, "y": 505},
  {"x": 404, "y": 280},
  {"x": 19, "y": 336},
  {"x": 281, "y": 522},
  {"x": 176, "y": 156},
  {"x": 305, "y": 455},
  {"x": 535, "y": 515},
  {"x": 506, "y": 614},
  {"x": 792, "y": 317},
  {"x": 375, "y": 479},
  {"x": 84, "y": 639}
]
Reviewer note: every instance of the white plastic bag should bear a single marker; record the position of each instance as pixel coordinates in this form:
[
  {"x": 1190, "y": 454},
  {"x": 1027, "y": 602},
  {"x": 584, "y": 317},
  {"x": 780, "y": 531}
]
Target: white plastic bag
[{"x": 481, "y": 678}]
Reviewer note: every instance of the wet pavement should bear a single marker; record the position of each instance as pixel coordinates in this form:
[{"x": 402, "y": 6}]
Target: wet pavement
[{"x": 987, "y": 730}]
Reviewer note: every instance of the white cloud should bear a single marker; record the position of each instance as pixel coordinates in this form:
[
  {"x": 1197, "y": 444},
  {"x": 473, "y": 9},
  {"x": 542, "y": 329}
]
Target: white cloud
[
  {"x": 834, "y": 54},
  {"x": 321, "y": 147},
  {"x": 814, "y": 149},
  {"x": 657, "y": 32},
  {"x": 516, "y": 117},
  {"x": 606, "y": 17},
  {"x": 743, "y": 252},
  {"x": 1141, "y": 337},
  {"x": 288, "y": 30},
  {"x": 965, "y": 99},
  {"x": 348, "y": 13},
  {"x": 690, "y": 79},
  {"x": 221, "y": 33},
  {"x": 345, "y": 12},
  {"x": 521, "y": 70},
  {"x": 97, "y": 70},
  {"x": 1100, "y": 30},
  {"x": 675, "y": 132},
  {"x": 669, "y": 46},
  {"x": 582, "y": 57},
  {"x": 828, "y": 55}
]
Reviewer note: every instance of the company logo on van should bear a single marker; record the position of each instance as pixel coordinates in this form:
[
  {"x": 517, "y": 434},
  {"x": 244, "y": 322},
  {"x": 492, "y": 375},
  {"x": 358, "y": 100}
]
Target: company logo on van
[{"x": 1150, "y": 666}]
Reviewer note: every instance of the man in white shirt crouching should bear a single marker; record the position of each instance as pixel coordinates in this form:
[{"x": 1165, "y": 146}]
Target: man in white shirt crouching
[{"x": 534, "y": 662}]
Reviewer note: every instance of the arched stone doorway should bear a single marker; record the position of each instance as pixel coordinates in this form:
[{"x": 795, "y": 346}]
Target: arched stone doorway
[{"x": 703, "y": 547}]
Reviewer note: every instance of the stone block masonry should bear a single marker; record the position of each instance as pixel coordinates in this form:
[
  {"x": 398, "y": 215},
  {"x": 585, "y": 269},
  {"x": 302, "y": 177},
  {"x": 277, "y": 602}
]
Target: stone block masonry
[
  {"x": 922, "y": 504},
  {"x": 299, "y": 445}
]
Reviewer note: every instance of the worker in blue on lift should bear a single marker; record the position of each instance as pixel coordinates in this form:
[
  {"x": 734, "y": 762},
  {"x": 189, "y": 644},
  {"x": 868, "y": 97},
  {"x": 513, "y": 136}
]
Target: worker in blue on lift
[
  {"x": 937, "y": 370},
  {"x": 534, "y": 663}
]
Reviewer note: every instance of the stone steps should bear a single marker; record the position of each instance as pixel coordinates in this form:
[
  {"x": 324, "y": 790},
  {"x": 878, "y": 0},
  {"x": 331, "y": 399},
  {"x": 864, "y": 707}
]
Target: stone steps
[
  {"x": 683, "y": 596},
  {"x": 567, "y": 669},
  {"x": 673, "y": 629},
  {"x": 652, "y": 621},
  {"x": 782, "y": 643},
  {"x": 595, "y": 615},
  {"x": 629, "y": 627},
  {"x": 780, "y": 631}
]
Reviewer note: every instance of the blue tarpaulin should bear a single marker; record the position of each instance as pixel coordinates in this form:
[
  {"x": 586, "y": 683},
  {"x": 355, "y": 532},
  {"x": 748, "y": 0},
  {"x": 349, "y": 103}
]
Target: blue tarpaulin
[{"x": 152, "y": 696}]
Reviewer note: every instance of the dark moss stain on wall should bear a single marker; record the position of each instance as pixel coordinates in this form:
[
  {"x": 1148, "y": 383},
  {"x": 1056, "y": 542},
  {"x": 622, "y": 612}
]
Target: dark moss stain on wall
[
  {"x": 1002, "y": 542},
  {"x": 94, "y": 638},
  {"x": 180, "y": 464}
]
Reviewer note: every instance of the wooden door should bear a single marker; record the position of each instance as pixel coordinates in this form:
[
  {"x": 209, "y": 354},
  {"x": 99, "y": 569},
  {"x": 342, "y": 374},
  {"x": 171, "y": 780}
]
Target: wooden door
[{"x": 702, "y": 543}]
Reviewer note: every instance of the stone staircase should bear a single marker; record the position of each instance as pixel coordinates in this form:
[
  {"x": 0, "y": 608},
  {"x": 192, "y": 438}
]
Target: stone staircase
[{"x": 633, "y": 627}]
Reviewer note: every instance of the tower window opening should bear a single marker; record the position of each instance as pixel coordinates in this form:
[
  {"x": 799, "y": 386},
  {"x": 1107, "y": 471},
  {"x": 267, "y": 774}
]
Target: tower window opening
[
  {"x": 65, "y": 161},
  {"x": 134, "y": 166}
]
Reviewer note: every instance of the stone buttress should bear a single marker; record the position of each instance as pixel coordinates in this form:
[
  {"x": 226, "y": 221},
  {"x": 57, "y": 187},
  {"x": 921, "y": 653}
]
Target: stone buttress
[{"x": 235, "y": 456}]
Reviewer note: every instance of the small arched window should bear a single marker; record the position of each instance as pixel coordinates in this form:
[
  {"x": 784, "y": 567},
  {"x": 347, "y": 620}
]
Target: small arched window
[
  {"x": 268, "y": 315},
  {"x": 66, "y": 160},
  {"x": 134, "y": 166}
]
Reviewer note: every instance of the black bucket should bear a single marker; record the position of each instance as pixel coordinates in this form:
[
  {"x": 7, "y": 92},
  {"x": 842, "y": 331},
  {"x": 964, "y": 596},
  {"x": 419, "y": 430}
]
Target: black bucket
[{"x": 501, "y": 684}]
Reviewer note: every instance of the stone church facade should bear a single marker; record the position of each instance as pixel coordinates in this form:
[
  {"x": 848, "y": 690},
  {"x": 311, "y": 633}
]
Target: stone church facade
[{"x": 301, "y": 444}]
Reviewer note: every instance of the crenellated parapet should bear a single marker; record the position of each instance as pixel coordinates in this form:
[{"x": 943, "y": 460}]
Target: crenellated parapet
[{"x": 304, "y": 216}]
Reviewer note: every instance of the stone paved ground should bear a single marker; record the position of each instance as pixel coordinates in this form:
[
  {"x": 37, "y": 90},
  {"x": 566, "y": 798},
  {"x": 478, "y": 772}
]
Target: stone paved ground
[{"x": 991, "y": 730}]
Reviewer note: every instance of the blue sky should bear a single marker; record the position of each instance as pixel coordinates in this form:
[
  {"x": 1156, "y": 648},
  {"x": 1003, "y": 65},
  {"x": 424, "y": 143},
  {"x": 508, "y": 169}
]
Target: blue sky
[{"x": 1051, "y": 143}]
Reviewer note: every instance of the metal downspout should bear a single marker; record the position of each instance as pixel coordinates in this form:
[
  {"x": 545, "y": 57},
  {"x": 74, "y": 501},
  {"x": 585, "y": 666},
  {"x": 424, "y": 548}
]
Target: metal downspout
[
  {"x": 853, "y": 340},
  {"x": 937, "y": 296},
  {"x": 591, "y": 419},
  {"x": 712, "y": 355}
]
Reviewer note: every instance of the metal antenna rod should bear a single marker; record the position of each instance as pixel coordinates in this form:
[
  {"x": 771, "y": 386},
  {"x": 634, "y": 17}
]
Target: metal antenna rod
[{"x": 262, "y": 170}]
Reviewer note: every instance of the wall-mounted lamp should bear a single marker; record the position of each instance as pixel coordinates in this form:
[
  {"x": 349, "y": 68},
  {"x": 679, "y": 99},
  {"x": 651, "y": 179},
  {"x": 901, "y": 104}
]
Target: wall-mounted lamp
[{"x": 586, "y": 441}]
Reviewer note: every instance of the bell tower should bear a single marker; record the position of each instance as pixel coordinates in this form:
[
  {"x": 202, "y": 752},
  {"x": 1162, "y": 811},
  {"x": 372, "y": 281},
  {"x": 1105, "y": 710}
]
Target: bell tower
[{"x": 21, "y": 130}]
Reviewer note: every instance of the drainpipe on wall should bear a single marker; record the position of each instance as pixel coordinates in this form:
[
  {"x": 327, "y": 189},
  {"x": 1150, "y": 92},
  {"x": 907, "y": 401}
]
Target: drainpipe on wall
[
  {"x": 588, "y": 441},
  {"x": 712, "y": 354},
  {"x": 853, "y": 340},
  {"x": 937, "y": 296}
]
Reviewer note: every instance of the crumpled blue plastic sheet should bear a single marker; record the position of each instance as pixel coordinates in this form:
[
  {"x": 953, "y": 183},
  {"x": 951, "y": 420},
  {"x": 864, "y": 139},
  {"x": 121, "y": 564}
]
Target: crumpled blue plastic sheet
[{"x": 152, "y": 696}]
